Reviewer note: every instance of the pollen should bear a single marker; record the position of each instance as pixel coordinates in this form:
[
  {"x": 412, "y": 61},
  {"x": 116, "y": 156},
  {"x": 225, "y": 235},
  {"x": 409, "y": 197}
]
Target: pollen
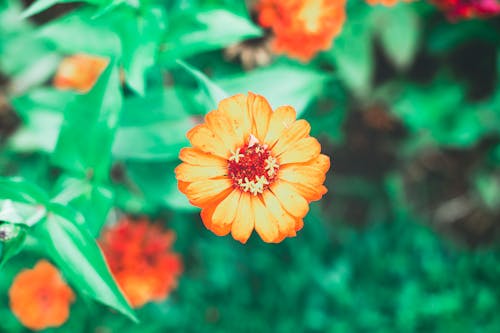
[{"x": 252, "y": 168}]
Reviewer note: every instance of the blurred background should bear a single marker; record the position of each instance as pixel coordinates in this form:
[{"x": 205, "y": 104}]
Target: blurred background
[{"x": 405, "y": 101}]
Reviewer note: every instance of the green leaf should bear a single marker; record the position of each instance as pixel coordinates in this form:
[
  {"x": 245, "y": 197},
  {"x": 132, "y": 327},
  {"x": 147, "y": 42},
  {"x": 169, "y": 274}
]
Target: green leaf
[
  {"x": 42, "y": 113},
  {"x": 399, "y": 30},
  {"x": 190, "y": 33},
  {"x": 140, "y": 34},
  {"x": 75, "y": 251},
  {"x": 158, "y": 134},
  {"x": 213, "y": 90},
  {"x": 352, "y": 53},
  {"x": 92, "y": 200},
  {"x": 22, "y": 191},
  {"x": 100, "y": 39},
  {"x": 280, "y": 84},
  {"x": 39, "y": 6},
  {"x": 156, "y": 183},
  {"x": 12, "y": 238},
  {"x": 87, "y": 133}
]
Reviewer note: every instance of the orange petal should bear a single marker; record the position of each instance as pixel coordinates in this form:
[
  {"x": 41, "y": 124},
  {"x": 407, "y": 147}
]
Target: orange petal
[
  {"x": 285, "y": 221},
  {"x": 197, "y": 157},
  {"x": 191, "y": 173},
  {"x": 204, "y": 192},
  {"x": 265, "y": 224},
  {"x": 294, "y": 173},
  {"x": 221, "y": 126},
  {"x": 235, "y": 108},
  {"x": 281, "y": 119},
  {"x": 299, "y": 224},
  {"x": 245, "y": 218},
  {"x": 261, "y": 111},
  {"x": 298, "y": 130},
  {"x": 290, "y": 199},
  {"x": 206, "y": 217},
  {"x": 225, "y": 212},
  {"x": 182, "y": 186},
  {"x": 204, "y": 139},
  {"x": 322, "y": 162},
  {"x": 301, "y": 151},
  {"x": 310, "y": 192}
]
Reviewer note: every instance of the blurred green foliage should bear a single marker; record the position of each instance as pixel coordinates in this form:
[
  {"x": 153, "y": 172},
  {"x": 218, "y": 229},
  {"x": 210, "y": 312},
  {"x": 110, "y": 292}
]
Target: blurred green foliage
[{"x": 406, "y": 103}]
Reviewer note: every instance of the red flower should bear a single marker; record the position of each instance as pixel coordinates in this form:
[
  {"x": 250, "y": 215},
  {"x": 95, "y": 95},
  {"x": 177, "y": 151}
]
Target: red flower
[
  {"x": 40, "y": 298},
  {"x": 139, "y": 256},
  {"x": 464, "y": 9},
  {"x": 302, "y": 28}
]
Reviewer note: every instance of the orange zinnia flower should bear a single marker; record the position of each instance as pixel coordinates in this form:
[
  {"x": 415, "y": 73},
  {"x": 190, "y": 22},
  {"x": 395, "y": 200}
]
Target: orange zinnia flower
[
  {"x": 251, "y": 168},
  {"x": 302, "y": 28},
  {"x": 138, "y": 254},
  {"x": 40, "y": 298},
  {"x": 79, "y": 72}
]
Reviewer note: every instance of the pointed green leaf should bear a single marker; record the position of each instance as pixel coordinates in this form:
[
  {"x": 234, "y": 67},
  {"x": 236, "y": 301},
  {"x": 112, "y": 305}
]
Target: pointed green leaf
[
  {"x": 214, "y": 91},
  {"x": 399, "y": 30},
  {"x": 75, "y": 251},
  {"x": 92, "y": 200},
  {"x": 280, "y": 84},
  {"x": 157, "y": 135},
  {"x": 140, "y": 35},
  {"x": 204, "y": 30},
  {"x": 87, "y": 133},
  {"x": 352, "y": 53}
]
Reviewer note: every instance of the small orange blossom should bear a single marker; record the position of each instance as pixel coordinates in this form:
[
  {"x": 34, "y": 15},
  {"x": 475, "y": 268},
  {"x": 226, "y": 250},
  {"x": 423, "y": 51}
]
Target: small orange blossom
[
  {"x": 40, "y": 298},
  {"x": 79, "y": 72},
  {"x": 251, "y": 168},
  {"x": 302, "y": 28},
  {"x": 139, "y": 256}
]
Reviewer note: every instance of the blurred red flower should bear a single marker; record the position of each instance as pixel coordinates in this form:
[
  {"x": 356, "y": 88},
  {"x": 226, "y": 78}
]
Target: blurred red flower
[
  {"x": 139, "y": 255},
  {"x": 79, "y": 72},
  {"x": 302, "y": 28},
  {"x": 465, "y": 9},
  {"x": 40, "y": 298}
]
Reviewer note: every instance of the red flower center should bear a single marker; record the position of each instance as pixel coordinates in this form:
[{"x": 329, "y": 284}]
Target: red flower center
[{"x": 252, "y": 168}]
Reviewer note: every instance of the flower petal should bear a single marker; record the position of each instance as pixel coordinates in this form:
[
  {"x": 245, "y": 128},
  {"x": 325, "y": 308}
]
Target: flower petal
[
  {"x": 182, "y": 186},
  {"x": 298, "y": 130},
  {"x": 322, "y": 162},
  {"x": 262, "y": 112},
  {"x": 235, "y": 108},
  {"x": 310, "y": 192},
  {"x": 243, "y": 224},
  {"x": 290, "y": 199},
  {"x": 286, "y": 222},
  {"x": 204, "y": 139},
  {"x": 294, "y": 173},
  {"x": 265, "y": 224},
  {"x": 191, "y": 173},
  {"x": 225, "y": 212},
  {"x": 280, "y": 120},
  {"x": 206, "y": 217},
  {"x": 299, "y": 224},
  {"x": 221, "y": 126},
  {"x": 301, "y": 151},
  {"x": 204, "y": 192},
  {"x": 197, "y": 157}
]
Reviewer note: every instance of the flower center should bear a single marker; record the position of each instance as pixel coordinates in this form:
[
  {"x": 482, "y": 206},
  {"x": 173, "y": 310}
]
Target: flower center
[{"x": 252, "y": 168}]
